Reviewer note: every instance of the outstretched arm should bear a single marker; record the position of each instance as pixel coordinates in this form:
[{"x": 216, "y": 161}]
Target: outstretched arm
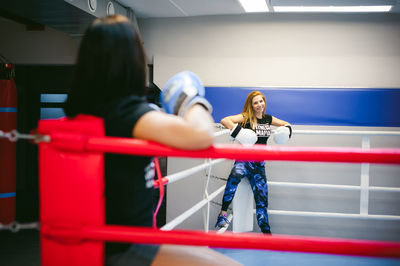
[
  {"x": 230, "y": 121},
  {"x": 278, "y": 122}
]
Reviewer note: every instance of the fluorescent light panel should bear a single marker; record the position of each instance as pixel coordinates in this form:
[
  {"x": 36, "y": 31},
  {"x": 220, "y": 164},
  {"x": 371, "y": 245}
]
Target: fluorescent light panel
[
  {"x": 254, "y": 5},
  {"x": 332, "y": 8}
]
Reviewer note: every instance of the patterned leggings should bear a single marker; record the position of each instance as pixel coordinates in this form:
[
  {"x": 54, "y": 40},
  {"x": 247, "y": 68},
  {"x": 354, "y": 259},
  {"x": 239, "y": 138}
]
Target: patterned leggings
[{"x": 255, "y": 172}]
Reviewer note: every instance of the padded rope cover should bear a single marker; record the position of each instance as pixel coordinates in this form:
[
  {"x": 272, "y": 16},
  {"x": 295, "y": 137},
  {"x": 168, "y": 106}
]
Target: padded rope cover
[{"x": 71, "y": 192}]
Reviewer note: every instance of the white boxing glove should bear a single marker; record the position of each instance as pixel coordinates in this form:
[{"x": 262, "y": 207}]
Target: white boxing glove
[
  {"x": 245, "y": 136},
  {"x": 282, "y": 134}
]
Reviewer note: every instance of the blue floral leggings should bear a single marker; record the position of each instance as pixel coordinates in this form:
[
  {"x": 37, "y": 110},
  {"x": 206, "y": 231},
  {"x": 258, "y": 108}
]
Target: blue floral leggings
[{"x": 255, "y": 172}]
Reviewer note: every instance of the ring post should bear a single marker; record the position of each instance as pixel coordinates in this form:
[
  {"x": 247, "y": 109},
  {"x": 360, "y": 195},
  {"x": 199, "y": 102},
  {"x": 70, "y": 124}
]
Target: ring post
[
  {"x": 71, "y": 191},
  {"x": 242, "y": 207}
]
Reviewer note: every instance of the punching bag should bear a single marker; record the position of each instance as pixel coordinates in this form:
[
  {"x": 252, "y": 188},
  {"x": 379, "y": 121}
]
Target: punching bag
[{"x": 8, "y": 122}]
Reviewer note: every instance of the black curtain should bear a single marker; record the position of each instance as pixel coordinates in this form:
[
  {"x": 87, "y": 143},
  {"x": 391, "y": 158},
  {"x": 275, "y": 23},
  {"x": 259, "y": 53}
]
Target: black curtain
[{"x": 31, "y": 81}]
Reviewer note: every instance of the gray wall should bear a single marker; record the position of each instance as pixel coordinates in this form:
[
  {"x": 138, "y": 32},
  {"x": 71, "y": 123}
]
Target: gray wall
[{"x": 278, "y": 49}]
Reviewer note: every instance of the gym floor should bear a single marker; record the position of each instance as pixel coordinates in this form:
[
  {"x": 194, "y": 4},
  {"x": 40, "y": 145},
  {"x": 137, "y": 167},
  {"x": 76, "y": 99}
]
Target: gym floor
[{"x": 281, "y": 258}]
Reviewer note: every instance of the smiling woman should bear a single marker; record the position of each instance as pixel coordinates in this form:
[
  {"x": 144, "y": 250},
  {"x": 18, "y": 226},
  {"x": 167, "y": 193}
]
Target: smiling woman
[{"x": 252, "y": 126}]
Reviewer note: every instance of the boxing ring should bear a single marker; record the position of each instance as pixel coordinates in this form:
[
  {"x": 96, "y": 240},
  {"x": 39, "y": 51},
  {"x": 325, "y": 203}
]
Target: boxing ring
[{"x": 71, "y": 187}]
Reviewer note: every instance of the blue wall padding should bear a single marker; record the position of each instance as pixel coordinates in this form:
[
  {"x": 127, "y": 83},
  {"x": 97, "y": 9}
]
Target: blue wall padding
[{"x": 316, "y": 106}]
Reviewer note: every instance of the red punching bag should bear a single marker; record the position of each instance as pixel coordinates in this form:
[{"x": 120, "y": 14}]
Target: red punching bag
[{"x": 8, "y": 122}]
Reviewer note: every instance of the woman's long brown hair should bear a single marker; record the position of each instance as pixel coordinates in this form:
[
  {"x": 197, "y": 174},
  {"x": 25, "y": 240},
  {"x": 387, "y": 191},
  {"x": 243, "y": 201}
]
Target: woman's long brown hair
[{"x": 248, "y": 111}]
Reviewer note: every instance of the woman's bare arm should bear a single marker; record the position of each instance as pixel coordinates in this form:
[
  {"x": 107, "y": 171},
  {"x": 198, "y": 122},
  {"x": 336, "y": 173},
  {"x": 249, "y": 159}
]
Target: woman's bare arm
[
  {"x": 230, "y": 121},
  {"x": 278, "y": 122},
  {"x": 194, "y": 131}
]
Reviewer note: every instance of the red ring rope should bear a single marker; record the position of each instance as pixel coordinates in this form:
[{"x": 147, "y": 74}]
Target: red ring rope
[
  {"x": 227, "y": 240},
  {"x": 82, "y": 143}
]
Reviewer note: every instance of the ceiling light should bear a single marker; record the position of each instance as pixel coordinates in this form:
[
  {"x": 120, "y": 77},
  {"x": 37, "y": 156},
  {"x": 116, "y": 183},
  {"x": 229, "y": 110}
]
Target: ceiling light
[
  {"x": 254, "y": 5},
  {"x": 332, "y": 8}
]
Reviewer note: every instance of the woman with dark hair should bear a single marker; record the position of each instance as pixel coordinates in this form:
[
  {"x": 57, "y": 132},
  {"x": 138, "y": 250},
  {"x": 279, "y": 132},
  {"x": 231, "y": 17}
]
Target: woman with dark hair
[
  {"x": 252, "y": 126},
  {"x": 109, "y": 82}
]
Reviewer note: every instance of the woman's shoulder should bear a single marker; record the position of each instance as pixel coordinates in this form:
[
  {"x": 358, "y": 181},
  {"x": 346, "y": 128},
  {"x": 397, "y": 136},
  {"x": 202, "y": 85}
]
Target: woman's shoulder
[
  {"x": 121, "y": 116},
  {"x": 236, "y": 116}
]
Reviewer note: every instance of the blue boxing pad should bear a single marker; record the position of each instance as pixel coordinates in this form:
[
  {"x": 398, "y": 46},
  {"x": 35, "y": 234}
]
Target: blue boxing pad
[{"x": 182, "y": 91}]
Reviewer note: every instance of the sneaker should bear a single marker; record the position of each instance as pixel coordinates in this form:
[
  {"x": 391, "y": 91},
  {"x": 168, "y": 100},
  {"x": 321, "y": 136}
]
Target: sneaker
[{"x": 222, "y": 221}]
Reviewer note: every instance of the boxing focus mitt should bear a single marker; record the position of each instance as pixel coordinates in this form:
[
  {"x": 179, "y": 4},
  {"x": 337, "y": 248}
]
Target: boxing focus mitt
[
  {"x": 283, "y": 134},
  {"x": 181, "y": 92},
  {"x": 245, "y": 136}
]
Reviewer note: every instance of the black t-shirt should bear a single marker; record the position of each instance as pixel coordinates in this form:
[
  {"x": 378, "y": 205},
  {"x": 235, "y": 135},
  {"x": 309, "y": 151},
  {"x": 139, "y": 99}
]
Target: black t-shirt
[
  {"x": 263, "y": 129},
  {"x": 129, "y": 190}
]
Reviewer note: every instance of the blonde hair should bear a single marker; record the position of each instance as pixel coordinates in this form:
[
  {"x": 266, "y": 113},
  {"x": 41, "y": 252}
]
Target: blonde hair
[{"x": 248, "y": 111}]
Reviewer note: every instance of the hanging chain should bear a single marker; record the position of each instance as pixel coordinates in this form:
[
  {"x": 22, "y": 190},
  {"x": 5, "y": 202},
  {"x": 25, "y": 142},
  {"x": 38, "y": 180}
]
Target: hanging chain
[
  {"x": 16, "y": 227},
  {"x": 14, "y": 135}
]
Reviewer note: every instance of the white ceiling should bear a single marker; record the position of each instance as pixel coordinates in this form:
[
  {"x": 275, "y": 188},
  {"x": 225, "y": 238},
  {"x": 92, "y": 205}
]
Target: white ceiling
[{"x": 184, "y": 8}]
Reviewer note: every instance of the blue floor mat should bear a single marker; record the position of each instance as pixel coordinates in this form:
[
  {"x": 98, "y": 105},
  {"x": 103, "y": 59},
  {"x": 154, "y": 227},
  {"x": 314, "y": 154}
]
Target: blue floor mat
[{"x": 250, "y": 257}]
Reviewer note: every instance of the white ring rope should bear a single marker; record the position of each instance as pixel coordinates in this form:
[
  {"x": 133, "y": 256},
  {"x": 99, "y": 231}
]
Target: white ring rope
[
  {"x": 172, "y": 224},
  {"x": 221, "y": 132},
  {"x": 206, "y": 197},
  {"x": 346, "y": 132},
  {"x": 329, "y": 186},
  {"x": 335, "y": 215},
  {"x": 188, "y": 172}
]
